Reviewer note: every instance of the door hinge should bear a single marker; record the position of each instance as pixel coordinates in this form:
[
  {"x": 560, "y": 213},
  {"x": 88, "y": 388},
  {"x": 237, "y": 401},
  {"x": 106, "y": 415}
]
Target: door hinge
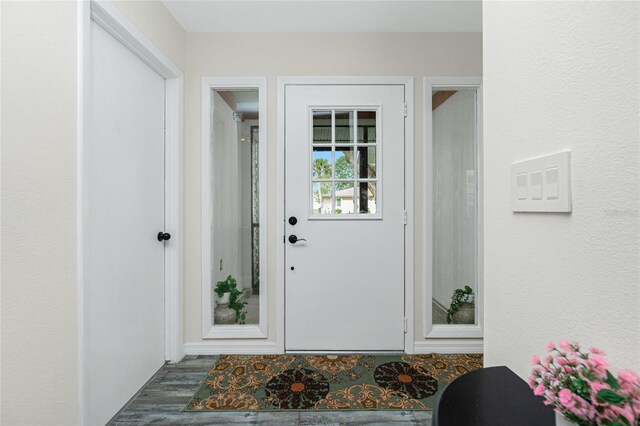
[
  {"x": 405, "y": 324},
  {"x": 405, "y": 109},
  {"x": 404, "y": 217}
]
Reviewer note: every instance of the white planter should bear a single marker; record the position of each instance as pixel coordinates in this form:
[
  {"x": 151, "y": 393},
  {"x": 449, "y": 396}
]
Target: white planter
[
  {"x": 224, "y": 299},
  {"x": 562, "y": 420}
]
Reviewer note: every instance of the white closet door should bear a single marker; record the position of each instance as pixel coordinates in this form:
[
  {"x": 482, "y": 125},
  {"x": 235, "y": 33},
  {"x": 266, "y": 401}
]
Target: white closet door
[{"x": 124, "y": 211}]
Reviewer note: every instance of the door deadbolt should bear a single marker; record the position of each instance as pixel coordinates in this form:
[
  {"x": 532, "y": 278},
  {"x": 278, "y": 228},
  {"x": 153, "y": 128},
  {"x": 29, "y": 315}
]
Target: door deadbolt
[{"x": 293, "y": 220}]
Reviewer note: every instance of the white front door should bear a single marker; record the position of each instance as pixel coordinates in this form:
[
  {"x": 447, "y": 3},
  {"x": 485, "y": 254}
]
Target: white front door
[
  {"x": 344, "y": 202},
  {"x": 124, "y": 211}
]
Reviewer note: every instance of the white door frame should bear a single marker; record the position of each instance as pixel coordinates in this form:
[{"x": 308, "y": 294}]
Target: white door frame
[
  {"x": 109, "y": 17},
  {"x": 407, "y": 82}
]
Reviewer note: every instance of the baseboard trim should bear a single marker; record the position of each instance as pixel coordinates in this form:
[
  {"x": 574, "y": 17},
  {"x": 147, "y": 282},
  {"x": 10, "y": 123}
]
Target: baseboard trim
[
  {"x": 215, "y": 348},
  {"x": 449, "y": 346},
  {"x": 439, "y": 346}
]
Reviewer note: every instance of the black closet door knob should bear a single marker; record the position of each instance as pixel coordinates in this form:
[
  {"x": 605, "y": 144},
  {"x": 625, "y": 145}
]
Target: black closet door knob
[{"x": 164, "y": 236}]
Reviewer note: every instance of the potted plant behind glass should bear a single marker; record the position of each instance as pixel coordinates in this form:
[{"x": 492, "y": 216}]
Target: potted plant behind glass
[
  {"x": 462, "y": 309},
  {"x": 227, "y": 293}
]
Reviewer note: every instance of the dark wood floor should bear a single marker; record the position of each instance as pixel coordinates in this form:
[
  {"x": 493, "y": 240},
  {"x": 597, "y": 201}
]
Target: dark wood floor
[{"x": 162, "y": 399}]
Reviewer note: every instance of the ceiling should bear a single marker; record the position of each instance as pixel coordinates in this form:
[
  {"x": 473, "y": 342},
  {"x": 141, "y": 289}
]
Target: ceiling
[
  {"x": 246, "y": 100},
  {"x": 327, "y": 15}
]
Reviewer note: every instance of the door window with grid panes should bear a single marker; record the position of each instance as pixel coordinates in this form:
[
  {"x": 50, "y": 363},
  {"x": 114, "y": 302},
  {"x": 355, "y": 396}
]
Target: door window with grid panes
[{"x": 344, "y": 163}]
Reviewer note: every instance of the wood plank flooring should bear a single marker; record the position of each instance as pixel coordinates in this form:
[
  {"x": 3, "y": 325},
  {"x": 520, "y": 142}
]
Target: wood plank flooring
[{"x": 162, "y": 399}]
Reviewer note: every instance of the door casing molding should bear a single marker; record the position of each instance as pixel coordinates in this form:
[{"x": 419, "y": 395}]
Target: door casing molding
[
  {"x": 109, "y": 17},
  {"x": 405, "y": 81}
]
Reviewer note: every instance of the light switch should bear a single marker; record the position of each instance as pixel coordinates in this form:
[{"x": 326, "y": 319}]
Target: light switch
[
  {"x": 542, "y": 184},
  {"x": 551, "y": 183},
  {"x": 522, "y": 185},
  {"x": 535, "y": 185}
]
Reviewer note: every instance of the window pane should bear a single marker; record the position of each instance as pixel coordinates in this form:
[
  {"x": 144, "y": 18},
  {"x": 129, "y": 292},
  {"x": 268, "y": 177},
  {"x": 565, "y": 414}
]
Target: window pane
[
  {"x": 321, "y": 194},
  {"x": 344, "y": 126},
  {"x": 366, "y": 198},
  {"x": 366, "y": 162},
  {"x": 366, "y": 126},
  {"x": 344, "y": 198},
  {"x": 321, "y": 126},
  {"x": 454, "y": 204},
  {"x": 321, "y": 163},
  {"x": 344, "y": 163}
]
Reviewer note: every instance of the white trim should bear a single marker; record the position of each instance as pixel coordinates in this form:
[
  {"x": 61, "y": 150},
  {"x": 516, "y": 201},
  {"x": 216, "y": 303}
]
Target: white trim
[
  {"x": 83, "y": 45},
  {"x": 409, "y": 284},
  {"x": 237, "y": 348},
  {"x": 119, "y": 26},
  {"x": 449, "y": 346},
  {"x": 250, "y": 331},
  {"x": 284, "y": 81},
  {"x": 448, "y": 331},
  {"x": 174, "y": 222},
  {"x": 115, "y": 23}
]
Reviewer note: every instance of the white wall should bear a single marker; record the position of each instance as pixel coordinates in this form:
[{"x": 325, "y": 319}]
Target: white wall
[
  {"x": 562, "y": 75},
  {"x": 39, "y": 300},
  {"x": 273, "y": 55},
  {"x": 39, "y": 309}
]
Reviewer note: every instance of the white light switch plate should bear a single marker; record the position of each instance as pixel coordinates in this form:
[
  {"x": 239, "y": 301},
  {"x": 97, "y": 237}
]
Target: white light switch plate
[{"x": 542, "y": 184}]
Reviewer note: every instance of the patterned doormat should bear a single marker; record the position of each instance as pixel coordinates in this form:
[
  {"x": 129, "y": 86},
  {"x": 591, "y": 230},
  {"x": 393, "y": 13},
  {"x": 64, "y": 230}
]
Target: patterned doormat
[{"x": 329, "y": 382}]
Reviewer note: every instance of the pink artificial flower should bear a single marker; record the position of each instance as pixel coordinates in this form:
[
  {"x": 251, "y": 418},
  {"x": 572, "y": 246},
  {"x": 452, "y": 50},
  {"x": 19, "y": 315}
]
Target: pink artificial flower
[
  {"x": 561, "y": 361},
  {"x": 565, "y": 397},
  {"x": 628, "y": 376},
  {"x": 597, "y": 351},
  {"x": 625, "y": 411},
  {"x": 539, "y": 390},
  {"x": 598, "y": 361},
  {"x": 564, "y": 345},
  {"x": 551, "y": 346},
  {"x": 535, "y": 360},
  {"x": 598, "y": 386}
]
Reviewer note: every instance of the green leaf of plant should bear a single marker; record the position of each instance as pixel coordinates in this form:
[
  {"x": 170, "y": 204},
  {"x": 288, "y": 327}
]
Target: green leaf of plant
[
  {"x": 625, "y": 421},
  {"x": 607, "y": 395},
  {"x": 611, "y": 381}
]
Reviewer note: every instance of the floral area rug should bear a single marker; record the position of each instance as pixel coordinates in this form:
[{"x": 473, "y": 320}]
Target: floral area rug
[{"x": 329, "y": 382}]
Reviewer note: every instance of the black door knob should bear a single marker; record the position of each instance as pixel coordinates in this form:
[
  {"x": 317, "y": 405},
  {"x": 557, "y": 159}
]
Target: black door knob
[
  {"x": 293, "y": 220},
  {"x": 293, "y": 239},
  {"x": 164, "y": 236}
]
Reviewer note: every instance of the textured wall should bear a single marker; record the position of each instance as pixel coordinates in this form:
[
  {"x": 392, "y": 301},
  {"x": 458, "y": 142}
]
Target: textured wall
[
  {"x": 39, "y": 309},
  {"x": 562, "y": 75},
  {"x": 39, "y": 300},
  {"x": 273, "y": 55}
]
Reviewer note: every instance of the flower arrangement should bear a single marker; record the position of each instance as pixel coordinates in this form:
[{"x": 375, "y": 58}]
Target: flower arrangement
[{"x": 581, "y": 388}]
